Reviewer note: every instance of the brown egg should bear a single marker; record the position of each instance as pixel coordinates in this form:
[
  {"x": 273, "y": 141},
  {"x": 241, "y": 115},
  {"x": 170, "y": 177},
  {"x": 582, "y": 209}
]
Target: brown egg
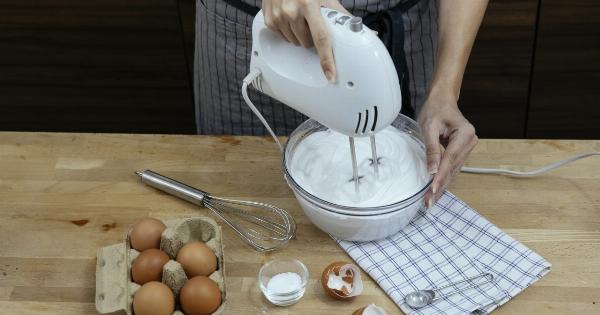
[
  {"x": 200, "y": 296},
  {"x": 146, "y": 233},
  {"x": 154, "y": 298},
  {"x": 148, "y": 266},
  {"x": 197, "y": 259}
]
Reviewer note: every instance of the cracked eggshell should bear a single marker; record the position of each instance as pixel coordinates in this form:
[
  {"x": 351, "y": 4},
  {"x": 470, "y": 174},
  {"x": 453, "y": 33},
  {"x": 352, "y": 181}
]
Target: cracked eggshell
[
  {"x": 341, "y": 280},
  {"x": 371, "y": 309}
]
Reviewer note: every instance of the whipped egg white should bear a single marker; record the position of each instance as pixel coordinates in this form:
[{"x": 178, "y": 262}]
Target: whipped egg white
[{"x": 322, "y": 166}]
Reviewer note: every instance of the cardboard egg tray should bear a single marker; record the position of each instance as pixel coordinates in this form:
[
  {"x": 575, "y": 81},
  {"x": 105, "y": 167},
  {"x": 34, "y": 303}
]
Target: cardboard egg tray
[{"x": 114, "y": 287}]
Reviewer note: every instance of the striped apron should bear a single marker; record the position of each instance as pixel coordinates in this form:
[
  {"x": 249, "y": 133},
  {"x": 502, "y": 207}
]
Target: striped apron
[{"x": 222, "y": 60}]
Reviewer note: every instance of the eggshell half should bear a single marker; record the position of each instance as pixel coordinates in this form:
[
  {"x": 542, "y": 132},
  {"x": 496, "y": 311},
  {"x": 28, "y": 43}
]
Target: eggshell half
[{"x": 341, "y": 280}]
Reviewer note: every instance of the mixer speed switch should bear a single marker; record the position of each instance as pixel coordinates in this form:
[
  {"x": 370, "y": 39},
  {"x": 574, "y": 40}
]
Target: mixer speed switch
[
  {"x": 355, "y": 24},
  {"x": 342, "y": 19}
]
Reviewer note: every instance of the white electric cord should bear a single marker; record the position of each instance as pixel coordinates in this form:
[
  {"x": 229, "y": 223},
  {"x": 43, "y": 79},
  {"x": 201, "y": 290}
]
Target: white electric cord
[
  {"x": 253, "y": 75},
  {"x": 532, "y": 173}
]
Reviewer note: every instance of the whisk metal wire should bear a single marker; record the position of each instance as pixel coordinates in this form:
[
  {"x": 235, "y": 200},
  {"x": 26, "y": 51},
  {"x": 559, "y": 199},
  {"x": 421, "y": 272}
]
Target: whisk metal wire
[
  {"x": 264, "y": 234},
  {"x": 258, "y": 220}
]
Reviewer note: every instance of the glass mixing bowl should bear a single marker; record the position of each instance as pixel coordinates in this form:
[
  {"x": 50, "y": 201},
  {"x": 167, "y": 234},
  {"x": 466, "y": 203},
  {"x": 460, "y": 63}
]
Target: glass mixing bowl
[{"x": 355, "y": 223}]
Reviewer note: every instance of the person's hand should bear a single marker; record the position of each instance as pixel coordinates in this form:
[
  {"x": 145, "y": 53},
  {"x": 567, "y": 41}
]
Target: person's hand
[
  {"x": 301, "y": 23},
  {"x": 449, "y": 138}
]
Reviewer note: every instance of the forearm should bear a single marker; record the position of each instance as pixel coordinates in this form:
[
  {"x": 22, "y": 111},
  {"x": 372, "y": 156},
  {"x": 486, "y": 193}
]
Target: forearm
[{"x": 458, "y": 23}]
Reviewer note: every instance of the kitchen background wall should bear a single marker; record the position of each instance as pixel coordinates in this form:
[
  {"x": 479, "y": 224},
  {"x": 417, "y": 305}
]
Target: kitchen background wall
[{"x": 125, "y": 66}]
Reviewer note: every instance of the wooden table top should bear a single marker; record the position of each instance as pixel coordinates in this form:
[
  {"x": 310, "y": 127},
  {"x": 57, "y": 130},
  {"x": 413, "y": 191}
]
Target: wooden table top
[{"x": 64, "y": 195}]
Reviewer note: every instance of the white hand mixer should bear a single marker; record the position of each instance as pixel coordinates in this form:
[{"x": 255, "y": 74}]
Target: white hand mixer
[{"x": 366, "y": 97}]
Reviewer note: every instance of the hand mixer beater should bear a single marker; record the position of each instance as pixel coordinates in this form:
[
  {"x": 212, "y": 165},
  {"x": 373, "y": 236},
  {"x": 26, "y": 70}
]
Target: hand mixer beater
[{"x": 365, "y": 99}]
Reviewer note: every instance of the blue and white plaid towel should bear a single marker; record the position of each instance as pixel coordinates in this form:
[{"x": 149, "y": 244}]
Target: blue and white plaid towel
[{"x": 448, "y": 243}]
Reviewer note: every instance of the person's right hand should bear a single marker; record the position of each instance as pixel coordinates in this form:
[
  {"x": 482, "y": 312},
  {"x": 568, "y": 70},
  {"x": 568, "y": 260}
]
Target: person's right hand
[{"x": 301, "y": 23}]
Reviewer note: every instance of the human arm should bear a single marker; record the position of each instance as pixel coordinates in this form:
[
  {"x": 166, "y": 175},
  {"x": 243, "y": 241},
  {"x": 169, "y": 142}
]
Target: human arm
[{"x": 449, "y": 137}]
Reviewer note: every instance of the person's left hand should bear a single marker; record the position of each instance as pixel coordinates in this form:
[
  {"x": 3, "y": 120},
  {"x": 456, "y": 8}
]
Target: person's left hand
[{"x": 449, "y": 138}]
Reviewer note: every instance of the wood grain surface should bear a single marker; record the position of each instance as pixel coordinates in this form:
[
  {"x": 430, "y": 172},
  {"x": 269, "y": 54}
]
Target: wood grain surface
[
  {"x": 494, "y": 93},
  {"x": 566, "y": 80},
  {"x": 93, "y": 66},
  {"x": 64, "y": 195}
]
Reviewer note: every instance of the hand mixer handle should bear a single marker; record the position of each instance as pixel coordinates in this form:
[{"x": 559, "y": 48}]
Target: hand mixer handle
[{"x": 173, "y": 187}]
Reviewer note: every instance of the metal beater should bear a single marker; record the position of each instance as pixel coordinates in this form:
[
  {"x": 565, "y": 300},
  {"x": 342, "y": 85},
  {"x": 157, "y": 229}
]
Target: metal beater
[
  {"x": 375, "y": 161},
  {"x": 262, "y": 226}
]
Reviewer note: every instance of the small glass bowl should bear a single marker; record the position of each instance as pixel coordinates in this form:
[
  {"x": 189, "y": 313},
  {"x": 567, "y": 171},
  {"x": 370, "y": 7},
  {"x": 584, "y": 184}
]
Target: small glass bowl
[{"x": 275, "y": 267}]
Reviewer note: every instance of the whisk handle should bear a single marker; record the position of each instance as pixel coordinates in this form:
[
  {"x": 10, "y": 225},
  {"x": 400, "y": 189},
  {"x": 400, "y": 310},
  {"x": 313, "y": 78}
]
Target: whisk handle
[{"x": 172, "y": 187}]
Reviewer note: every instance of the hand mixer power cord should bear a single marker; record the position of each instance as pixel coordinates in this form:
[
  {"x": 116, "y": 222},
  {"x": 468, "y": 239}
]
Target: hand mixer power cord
[
  {"x": 255, "y": 75},
  {"x": 249, "y": 79},
  {"x": 531, "y": 173}
]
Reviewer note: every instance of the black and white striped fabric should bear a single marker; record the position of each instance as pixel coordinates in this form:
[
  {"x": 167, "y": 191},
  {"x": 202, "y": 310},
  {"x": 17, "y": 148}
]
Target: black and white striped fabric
[
  {"x": 222, "y": 59},
  {"x": 448, "y": 243}
]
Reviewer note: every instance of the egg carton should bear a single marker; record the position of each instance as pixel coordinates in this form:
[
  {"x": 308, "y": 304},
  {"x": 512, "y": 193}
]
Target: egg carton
[{"x": 114, "y": 286}]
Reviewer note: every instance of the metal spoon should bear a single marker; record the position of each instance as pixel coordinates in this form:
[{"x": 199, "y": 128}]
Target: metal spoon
[{"x": 422, "y": 298}]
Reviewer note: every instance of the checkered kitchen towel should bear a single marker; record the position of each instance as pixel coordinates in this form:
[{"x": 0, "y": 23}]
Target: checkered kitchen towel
[{"x": 448, "y": 243}]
